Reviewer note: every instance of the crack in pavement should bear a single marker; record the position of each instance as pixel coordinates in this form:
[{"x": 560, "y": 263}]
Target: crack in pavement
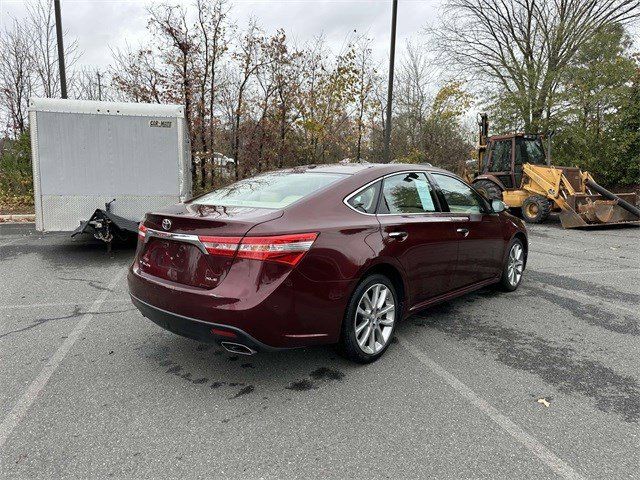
[
  {"x": 91, "y": 283},
  {"x": 76, "y": 313}
]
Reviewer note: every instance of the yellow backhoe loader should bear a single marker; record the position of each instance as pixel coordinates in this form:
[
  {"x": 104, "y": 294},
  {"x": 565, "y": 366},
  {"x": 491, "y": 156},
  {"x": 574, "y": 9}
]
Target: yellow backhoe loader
[{"x": 516, "y": 169}]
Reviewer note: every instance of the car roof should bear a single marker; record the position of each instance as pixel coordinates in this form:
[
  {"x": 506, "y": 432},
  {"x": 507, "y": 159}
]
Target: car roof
[{"x": 377, "y": 168}]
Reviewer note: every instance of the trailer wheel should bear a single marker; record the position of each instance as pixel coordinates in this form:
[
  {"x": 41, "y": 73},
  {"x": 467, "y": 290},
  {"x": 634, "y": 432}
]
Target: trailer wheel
[
  {"x": 488, "y": 189},
  {"x": 536, "y": 209}
]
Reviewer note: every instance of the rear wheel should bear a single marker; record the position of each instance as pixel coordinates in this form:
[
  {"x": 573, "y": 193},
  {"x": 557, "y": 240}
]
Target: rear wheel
[
  {"x": 513, "y": 267},
  {"x": 370, "y": 319},
  {"x": 488, "y": 189},
  {"x": 536, "y": 209}
]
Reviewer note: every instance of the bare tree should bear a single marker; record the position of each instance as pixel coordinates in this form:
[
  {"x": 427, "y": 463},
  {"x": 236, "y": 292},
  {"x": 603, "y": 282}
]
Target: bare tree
[
  {"x": 91, "y": 84},
  {"x": 16, "y": 75},
  {"x": 213, "y": 27},
  {"x": 285, "y": 71},
  {"x": 179, "y": 48},
  {"x": 415, "y": 81},
  {"x": 137, "y": 75},
  {"x": 43, "y": 47},
  {"x": 364, "y": 87},
  {"x": 249, "y": 60},
  {"x": 522, "y": 47}
]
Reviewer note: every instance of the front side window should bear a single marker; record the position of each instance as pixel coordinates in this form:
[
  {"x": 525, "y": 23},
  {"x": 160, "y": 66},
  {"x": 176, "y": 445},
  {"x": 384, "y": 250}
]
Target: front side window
[
  {"x": 271, "y": 190},
  {"x": 501, "y": 156},
  {"x": 459, "y": 196},
  {"x": 365, "y": 200},
  {"x": 407, "y": 193}
]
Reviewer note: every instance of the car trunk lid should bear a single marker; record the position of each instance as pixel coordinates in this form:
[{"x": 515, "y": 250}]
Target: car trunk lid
[{"x": 174, "y": 248}]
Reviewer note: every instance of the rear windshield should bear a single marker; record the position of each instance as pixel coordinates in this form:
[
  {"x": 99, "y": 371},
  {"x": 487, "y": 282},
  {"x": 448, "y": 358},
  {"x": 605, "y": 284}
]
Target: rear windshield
[{"x": 271, "y": 190}]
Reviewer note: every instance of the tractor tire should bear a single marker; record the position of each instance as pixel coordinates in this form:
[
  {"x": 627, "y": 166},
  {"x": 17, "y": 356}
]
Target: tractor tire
[
  {"x": 536, "y": 209},
  {"x": 488, "y": 189}
]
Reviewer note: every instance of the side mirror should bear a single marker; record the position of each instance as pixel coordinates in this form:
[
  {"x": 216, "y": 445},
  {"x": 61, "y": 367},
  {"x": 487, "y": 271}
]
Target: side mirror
[{"x": 498, "y": 205}]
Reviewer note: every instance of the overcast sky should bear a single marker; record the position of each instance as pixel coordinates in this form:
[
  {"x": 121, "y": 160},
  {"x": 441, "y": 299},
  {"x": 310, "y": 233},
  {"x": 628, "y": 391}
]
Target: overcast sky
[{"x": 98, "y": 24}]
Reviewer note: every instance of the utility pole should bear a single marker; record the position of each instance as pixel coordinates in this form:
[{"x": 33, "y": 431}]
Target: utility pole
[
  {"x": 63, "y": 75},
  {"x": 392, "y": 54},
  {"x": 99, "y": 86}
]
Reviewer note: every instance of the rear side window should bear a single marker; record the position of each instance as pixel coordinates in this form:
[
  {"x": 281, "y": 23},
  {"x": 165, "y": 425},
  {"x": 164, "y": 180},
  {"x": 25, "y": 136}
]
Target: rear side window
[
  {"x": 407, "y": 193},
  {"x": 365, "y": 200},
  {"x": 459, "y": 196},
  {"x": 272, "y": 190}
]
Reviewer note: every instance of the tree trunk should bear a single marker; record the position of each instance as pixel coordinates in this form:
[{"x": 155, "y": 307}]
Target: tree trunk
[
  {"x": 236, "y": 138},
  {"x": 203, "y": 146},
  {"x": 283, "y": 132}
]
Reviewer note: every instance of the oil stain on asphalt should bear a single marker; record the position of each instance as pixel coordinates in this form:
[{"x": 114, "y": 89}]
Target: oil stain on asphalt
[
  {"x": 590, "y": 314},
  {"x": 573, "y": 284},
  {"x": 161, "y": 355},
  {"x": 317, "y": 376}
]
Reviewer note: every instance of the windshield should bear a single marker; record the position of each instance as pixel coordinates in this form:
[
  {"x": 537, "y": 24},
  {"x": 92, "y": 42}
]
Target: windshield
[{"x": 271, "y": 190}]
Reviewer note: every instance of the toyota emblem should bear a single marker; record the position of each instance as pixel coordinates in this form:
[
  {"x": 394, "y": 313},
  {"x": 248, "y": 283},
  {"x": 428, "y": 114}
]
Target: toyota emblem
[{"x": 166, "y": 224}]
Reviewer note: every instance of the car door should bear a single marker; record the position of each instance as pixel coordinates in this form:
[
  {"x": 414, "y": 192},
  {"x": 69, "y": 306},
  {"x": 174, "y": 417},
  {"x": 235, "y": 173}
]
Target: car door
[
  {"x": 417, "y": 234},
  {"x": 478, "y": 229}
]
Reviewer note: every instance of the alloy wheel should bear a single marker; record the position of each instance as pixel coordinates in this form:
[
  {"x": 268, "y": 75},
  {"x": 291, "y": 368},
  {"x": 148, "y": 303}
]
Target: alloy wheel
[
  {"x": 375, "y": 317},
  {"x": 515, "y": 266}
]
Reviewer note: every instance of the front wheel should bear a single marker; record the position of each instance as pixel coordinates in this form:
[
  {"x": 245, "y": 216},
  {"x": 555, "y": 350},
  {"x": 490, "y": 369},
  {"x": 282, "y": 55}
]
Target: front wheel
[
  {"x": 536, "y": 209},
  {"x": 513, "y": 267},
  {"x": 370, "y": 319}
]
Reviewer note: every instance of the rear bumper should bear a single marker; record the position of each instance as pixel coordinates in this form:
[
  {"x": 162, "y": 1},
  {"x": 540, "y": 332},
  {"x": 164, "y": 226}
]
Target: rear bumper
[
  {"x": 198, "y": 329},
  {"x": 287, "y": 312}
]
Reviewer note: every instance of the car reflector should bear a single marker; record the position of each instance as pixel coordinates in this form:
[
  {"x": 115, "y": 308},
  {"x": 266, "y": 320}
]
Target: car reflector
[
  {"x": 142, "y": 231},
  {"x": 223, "y": 333}
]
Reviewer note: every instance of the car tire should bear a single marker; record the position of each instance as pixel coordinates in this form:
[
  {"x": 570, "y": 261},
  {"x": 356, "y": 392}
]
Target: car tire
[
  {"x": 488, "y": 189},
  {"x": 536, "y": 209},
  {"x": 513, "y": 268},
  {"x": 351, "y": 341}
]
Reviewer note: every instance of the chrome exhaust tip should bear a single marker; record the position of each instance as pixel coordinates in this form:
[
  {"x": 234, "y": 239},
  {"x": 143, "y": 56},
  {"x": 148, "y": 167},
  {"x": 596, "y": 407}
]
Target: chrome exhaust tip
[{"x": 238, "y": 348}]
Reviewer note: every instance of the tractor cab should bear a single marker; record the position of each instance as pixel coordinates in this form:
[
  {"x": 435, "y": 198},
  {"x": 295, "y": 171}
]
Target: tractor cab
[{"x": 508, "y": 153}]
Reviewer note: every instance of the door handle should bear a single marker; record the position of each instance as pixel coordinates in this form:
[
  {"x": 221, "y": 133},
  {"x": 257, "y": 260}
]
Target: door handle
[
  {"x": 398, "y": 235},
  {"x": 463, "y": 231}
]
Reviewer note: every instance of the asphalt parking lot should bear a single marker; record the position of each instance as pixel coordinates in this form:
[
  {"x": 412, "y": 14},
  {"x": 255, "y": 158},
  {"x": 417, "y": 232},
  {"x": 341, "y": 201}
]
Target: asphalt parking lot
[{"x": 90, "y": 389}]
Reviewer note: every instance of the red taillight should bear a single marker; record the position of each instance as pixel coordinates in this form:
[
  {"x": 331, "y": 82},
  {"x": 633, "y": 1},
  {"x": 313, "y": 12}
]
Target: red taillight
[
  {"x": 142, "y": 231},
  {"x": 288, "y": 249},
  {"x": 224, "y": 246}
]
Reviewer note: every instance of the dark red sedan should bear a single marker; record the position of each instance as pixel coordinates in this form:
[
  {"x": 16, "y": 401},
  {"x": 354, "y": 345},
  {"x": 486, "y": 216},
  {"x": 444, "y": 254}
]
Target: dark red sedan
[{"x": 321, "y": 254}]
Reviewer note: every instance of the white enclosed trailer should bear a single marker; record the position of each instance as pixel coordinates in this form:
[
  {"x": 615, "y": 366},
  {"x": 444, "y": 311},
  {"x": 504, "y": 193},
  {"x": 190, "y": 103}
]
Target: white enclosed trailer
[{"x": 87, "y": 154}]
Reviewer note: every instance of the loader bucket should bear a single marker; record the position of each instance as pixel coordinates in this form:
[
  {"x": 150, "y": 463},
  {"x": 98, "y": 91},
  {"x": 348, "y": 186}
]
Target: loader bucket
[{"x": 597, "y": 210}]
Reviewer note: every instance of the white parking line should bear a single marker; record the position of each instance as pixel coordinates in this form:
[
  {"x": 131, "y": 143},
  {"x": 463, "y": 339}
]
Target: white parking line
[
  {"x": 59, "y": 304},
  {"x": 22, "y": 406},
  {"x": 527, "y": 440}
]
